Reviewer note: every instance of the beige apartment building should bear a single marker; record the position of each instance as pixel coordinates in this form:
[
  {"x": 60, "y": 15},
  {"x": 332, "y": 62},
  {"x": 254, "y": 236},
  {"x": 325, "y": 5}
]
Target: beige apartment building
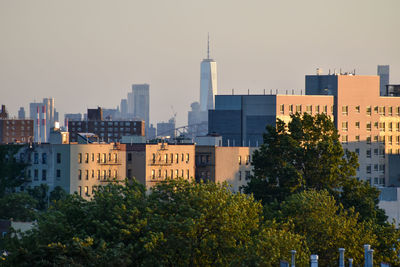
[
  {"x": 224, "y": 164},
  {"x": 77, "y": 168},
  {"x": 152, "y": 163}
]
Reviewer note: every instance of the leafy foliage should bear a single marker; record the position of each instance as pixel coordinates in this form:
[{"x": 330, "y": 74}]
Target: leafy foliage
[
  {"x": 18, "y": 206},
  {"x": 178, "y": 223}
]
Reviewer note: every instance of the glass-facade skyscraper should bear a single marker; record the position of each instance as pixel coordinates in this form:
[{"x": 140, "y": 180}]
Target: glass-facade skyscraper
[{"x": 208, "y": 82}]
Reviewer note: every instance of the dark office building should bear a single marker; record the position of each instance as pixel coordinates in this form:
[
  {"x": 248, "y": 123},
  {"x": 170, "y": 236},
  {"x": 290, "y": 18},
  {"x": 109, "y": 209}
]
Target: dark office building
[{"x": 108, "y": 131}]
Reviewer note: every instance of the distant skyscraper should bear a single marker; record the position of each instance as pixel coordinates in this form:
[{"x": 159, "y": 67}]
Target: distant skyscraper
[
  {"x": 166, "y": 128},
  {"x": 124, "y": 108},
  {"x": 44, "y": 116},
  {"x": 21, "y": 113},
  {"x": 131, "y": 103},
  {"x": 383, "y": 72},
  {"x": 141, "y": 105},
  {"x": 208, "y": 81}
]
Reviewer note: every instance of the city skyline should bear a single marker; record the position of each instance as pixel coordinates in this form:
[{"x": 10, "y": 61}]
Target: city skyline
[{"x": 88, "y": 54}]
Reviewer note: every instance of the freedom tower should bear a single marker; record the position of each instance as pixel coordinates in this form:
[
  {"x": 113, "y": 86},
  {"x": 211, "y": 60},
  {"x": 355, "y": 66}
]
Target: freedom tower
[{"x": 208, "y": 81}]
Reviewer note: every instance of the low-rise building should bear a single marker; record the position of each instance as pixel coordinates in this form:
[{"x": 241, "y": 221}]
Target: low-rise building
[
  {"x": 152, "y": 163},
  {"x": 75, "y": 167},
  {"x": 224, "y": 164},
  {"x": 14, "y": 130}
]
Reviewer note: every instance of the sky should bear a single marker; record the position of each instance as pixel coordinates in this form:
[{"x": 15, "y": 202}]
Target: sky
[{"x": 87, "y": 53}]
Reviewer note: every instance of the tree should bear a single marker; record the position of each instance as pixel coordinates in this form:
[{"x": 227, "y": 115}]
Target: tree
[
  {"x": 57, "y": 194},
  {"x": 327, "y": 226},
  {"x": 307, "y": 154},
  {"x": 178, "y": 223},
  {"x": 40, "y": 193},
  {"x": 18, "y": 206},
  {"x": 12, "y": 170}
]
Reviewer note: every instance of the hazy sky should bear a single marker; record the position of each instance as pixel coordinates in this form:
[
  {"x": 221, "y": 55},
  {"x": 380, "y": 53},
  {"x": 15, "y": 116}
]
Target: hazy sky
[{"x": 87, "y": 53}]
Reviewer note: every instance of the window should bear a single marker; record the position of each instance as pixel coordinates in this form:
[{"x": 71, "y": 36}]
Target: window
[
  {"x": 357, "y": 125},
  {"x": 187, "y": 174},
  {"x": 382, "y": 111},
  {"x": 376, "y": 138},
  {"x": 98, "y": 157},
  {"x": 376, "y": 167},
  {"x": 326, "y": 109},
  {"x": 345, "y": 126},
  {"x": 129, "y": 157},
  {"x": 153, "y": 174},
  {"x": 58, "y": 157},
  {"x": 368, "y": 126},
  {"x": 390, "y": 111},
  {"x": 397, "y": 140},
  {"x": 345, "y": 110},
  {"x": 165, "y": 174},
  {"x": 44, "y": 175},
  {"x": 357, "y": 151},
  {"x": 86, "y": 191},
  {"x": 58, "y": 173},
  {"x": 176, "y": 173},
  {"x": 129, "y": 174},
  {"x": 369, "y": 110},
  {"x": 298, "y": 108},
  {"x": 368, "y": 168},
  {"x": 104, "y": 174},
  {"x": 248, "y": 160},
  {"x": 79, "y": 174},
  {"x": 317, "y": 109},
  {"x": 182, "y": 174},
  {"x": 376, "y": 125},
  {"x": 358, "y": 109},
  {"x": 240, "y": 160},
  {"x": 376, "y": 109},
  {"x": 87, "y": 158},
  {"x": 344, "y": 139},
  {"x": 92, "y": 157},
  {"x": 80, "y": 190},
  {"x": 98, "y": 175},
  {"x": 115, "y": 158},
  {"x": 390, "y": 139},
  {"x": 368, "y": 153},
  {"x": 382, "y": 168},
  {"x": 176, "y": 157},
  {"x": 36, "y": 158},
  {"x": 382, "y": 139},
  {"x": 240, "y": 175},
  {"x": 87, "y": 174},
  {"x": 109, "y": 173},
  {"x": 382, "y": 126},
  {"x": 172, "y": 160},
  {"x": 115, "y": 174},
  {"x": 309, "y": 109},
  {"x": 390, "y": 126},
  {"x": 357, "y": 138},
  {"x": 398, "y": 111},
  {"x": 182, "y": 157},
  {"x": 80, "y": 158},
  {"x": 109, "y": 157},
  {"x": 36, "y": 174},
  {"x": 290, "y": 109},
  {"x": 159, "y": 173},
  {"x": 172, "y": 174},
  {"x": 368, "y": 139},
  {"x": 247, "y": 175},
  {"x": 376, "y": 152},
  {"x": 44, "y": 158},
  {"x": 187, "y": 157},
  {"x": 282, "y": 109}
]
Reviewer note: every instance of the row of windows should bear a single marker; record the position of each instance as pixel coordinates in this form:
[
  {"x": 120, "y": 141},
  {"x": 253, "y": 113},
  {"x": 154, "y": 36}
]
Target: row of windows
[
  {"x": 381, "y": 110},
  {"x": 43, "y": 176},
  {"x": 169, "y": 174},
  {"x": 390, "y": 139},
  {"x": 103, "y": 123},
  {"x": 100, "y": 157},
  {"x": 308, "y": 109},
  {"x": 97, "y": 174},
  {"x": 382, "y": 126},
  {"x": 43, "y": 158},
  {"x": 8, "y": 122},
  {"x": 165, "y": 158},
  {"x": 203, "y": 159},
  {"x": 102, "y": 130},
  {"x": 246, "y": 177},
  {"x": 377, "y": 168},
  {"x": 86, "y": 190},
  {"x": 19, "y": 128}
]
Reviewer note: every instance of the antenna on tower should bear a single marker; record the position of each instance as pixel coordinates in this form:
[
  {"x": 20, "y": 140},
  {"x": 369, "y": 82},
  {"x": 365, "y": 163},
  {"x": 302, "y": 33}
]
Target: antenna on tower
[{"x": 208, "y": 45}]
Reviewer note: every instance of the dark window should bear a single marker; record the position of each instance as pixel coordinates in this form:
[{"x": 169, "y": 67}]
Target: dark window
[
  {"x": 36, "y": 174},
  {"x": 36, "y": 158},
  {"x": 129, "y": 174},
  {"x": 58, "y": 157},
  {"x": 44, "y": 158},
  {"x": 44, "y": 175},
  {"x": 58, "y": 173},
  {"x": 129, "y": 156}
]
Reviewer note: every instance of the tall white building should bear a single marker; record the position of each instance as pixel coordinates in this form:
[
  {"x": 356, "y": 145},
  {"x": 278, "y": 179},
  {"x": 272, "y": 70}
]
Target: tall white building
[
  {"x": 141, "y": 103},
  {"x": 208, "y": 81}
]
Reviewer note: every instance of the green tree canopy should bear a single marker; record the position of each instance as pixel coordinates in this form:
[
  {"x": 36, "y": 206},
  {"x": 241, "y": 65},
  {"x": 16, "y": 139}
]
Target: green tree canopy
[
  {"x": 306, "y": 154},
  {"x": 178, "y": 223}
]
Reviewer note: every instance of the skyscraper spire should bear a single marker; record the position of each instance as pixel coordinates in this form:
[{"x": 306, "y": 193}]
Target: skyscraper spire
[{"x": 208, "y": 46}]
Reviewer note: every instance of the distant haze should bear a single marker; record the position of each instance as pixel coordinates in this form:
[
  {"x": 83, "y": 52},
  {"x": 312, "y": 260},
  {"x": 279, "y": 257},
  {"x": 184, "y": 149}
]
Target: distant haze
[{"x": 87, "y": 53}]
